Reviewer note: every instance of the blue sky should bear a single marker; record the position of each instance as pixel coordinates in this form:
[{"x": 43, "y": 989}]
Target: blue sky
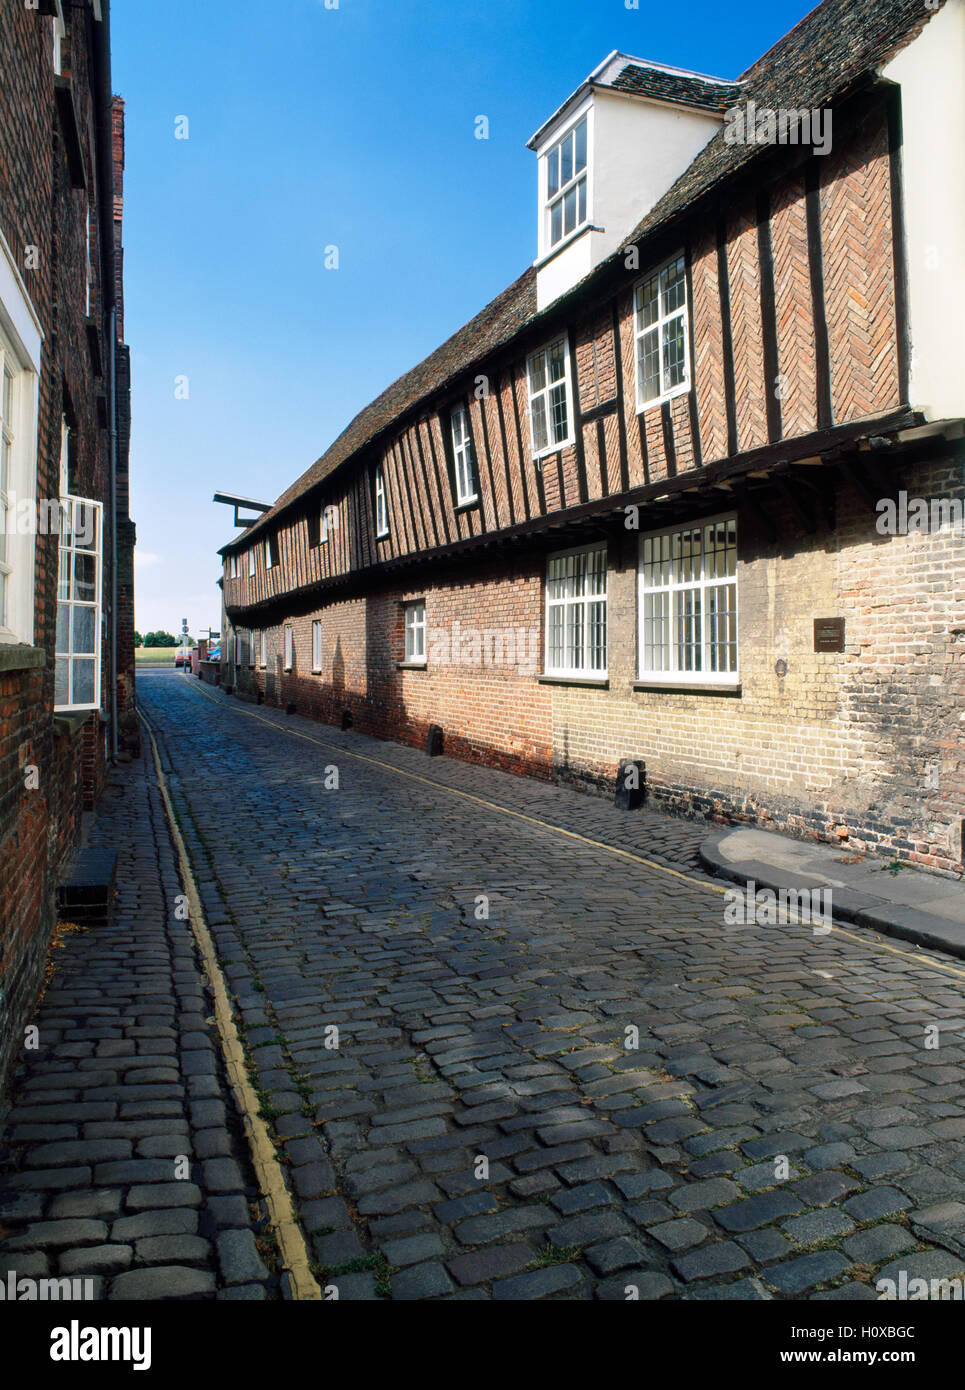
[{"x": 308, "y": 127}]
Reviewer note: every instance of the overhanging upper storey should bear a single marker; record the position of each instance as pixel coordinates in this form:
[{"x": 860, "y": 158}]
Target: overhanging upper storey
[{"x": 610, "y": 153}]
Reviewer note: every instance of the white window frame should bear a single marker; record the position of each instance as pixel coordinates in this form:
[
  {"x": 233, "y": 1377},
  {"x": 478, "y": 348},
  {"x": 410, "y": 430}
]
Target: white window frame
[
  {"x": 318, "y": 645},
  {"x": 541, "y": 396},
  {"x": 289, "y": 646},
  {"x": 59, "y": 34},
  {"x": 67, "y": 600},
  {"x": 323, "y": 524},
  {"x": 233, "y": 565},
  {"x": 552, "y": 200},
  {"x": 584, "y": 671},
  {"x": 415, "y": 632},
  {"x": 269, "y": 562},
  {"x": 262, "y": 648},
  {"x": 251, "y": 562},
  {"x": 674, "y": 674},
  {"x": 253, "y": 643},
  {"x": 20, "y": 348},
  {"x": 463, "y": 455},
  {"x": 381, "y": 503},
  {"x": 658, "y": 326}
]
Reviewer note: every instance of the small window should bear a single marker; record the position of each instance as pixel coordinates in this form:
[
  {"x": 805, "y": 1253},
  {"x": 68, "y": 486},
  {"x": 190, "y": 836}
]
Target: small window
[
  {"x": 77, "y": 672},
  {"x": 60, "y": 33},
  {"x": 255, "y": 647},
  {"x": 576, "y": 606},
  {"x": 317, "y": 645},
  {"x": 660, "y": 333},
  {"x": 381, "y": 503},
  {"x": 415, "y": 631},
  {"x": 464, "y": 462},
  {"x": 18, "y": 483},
  {"x": 289, "y": 646},
  {"x": 566, "y": 183},
  {"x": 323, "y": 525},
  {"x": 550, "y": 413},
  {"x": 271, "y": 552},
  {"x": 233, "y": 565},
  {"x": 251, "y": 562},
  {"x": 688, "y": 604}
]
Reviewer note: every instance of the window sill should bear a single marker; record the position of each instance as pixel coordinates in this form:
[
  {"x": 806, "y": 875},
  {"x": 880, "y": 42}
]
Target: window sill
[
  {"x": 468, "y": 505},
  {"x": 316, "y": 670},
  {"x": 69, "y": 725},
  {"x": 560, "y": 246},
  {"x": 411, "y": 665},
  {"x": 553, "y": 449},
  {"x": 683, "y": 688},
  {"x": 662, "y": 400},
  {"x": 594, "y": 682},
  {"x": 16, "y": 656}
]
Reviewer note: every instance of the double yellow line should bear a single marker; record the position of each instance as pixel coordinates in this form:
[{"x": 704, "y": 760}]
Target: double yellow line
[{"x": 281, "y": 1213}]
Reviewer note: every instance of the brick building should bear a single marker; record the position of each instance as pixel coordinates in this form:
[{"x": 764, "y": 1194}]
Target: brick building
[
  {"x": 689, "y": 491},
  {"x": 66, "y": 542}
]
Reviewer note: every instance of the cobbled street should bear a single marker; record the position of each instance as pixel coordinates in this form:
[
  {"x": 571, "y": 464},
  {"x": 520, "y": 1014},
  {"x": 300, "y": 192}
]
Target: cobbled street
[{"x": 499, "y": 1061}]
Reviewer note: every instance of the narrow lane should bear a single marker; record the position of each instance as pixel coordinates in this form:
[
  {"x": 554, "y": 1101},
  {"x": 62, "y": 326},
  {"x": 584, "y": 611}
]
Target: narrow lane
[{"x": 504, "y": 1062}]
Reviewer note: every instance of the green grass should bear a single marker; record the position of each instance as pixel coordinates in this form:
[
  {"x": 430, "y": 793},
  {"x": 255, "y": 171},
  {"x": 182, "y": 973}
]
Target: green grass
[{"x": 154, "y": 656}]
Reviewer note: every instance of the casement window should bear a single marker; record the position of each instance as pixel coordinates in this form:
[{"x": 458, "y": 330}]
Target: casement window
[
  {"x": 688, "y": 604},
  {"x": 323, "y": 524},
  {"x": 289, "y": 646},
  {"x": 255, "y": 652},
  {"x": 463, "y": 458},
  {"x": 661, "y": 334},
  {"x": 251, "y": 562},
  {"x": 317, "y": 640},
  {"x": 381, "y": 502},
  {"x": 415, "y": 631},
  {"x": 77, "y": 671},
  {"x": 233, "y": 565},
  {"x": 18, "y": 458},
  {"x": 566, "y": 195},
  {"x": 271, "y": 552},
  {"x": 576, "y": 613},
  {"x": 229, "y": 650},
  {"x": 550, "y": 397}
]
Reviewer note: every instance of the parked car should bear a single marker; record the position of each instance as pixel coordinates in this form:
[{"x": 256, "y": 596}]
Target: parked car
[
  {"x": 214, "y": 654},
  {"x": 182, "y": 658}
]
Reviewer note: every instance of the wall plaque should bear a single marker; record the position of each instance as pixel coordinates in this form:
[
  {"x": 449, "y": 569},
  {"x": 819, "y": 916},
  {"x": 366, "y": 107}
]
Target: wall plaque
[{"x": 829, "y": 634}]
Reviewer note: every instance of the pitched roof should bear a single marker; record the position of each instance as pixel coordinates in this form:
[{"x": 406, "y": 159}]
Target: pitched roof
[
  {"x": 814, "y": 62},
  {"x": 644, "y": 80}
]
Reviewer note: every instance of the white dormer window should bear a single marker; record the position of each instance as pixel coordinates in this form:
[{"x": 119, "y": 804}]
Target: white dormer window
[
  {"x": 550, "y": 398},
  {"x": 566, "y": 183},
  {"x": 660, "y": 334}
]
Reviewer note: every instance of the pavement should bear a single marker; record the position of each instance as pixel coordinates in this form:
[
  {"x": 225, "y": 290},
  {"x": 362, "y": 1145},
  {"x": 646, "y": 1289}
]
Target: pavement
[
  {"x": 507, "y": 1044},
  {"x": 892, "y": 897}
]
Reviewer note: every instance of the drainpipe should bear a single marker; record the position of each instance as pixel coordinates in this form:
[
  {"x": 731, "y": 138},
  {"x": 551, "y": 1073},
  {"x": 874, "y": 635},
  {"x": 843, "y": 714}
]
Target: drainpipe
[
  {"x": 113, "y": 457},
  {"x": 105, "y": 181}
]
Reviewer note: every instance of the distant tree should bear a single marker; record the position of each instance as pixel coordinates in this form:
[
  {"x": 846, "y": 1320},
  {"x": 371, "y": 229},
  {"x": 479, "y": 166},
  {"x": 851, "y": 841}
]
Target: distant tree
[
  {"x": 138, "y": 639},
  {"x": 160, "y": 639}
]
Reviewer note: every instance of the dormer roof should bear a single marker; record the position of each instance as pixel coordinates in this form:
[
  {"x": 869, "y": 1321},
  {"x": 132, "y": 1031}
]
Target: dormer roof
[{"x": 619, "y": 72}]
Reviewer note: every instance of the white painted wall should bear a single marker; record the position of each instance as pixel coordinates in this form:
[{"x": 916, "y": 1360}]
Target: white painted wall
[
  {"x": 931, "y": 74},
  {"x": 637, "y": 150}
]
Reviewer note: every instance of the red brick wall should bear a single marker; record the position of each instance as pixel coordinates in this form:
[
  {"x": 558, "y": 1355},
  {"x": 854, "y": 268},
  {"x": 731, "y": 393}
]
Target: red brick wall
[{"x": 39, "y": 207}]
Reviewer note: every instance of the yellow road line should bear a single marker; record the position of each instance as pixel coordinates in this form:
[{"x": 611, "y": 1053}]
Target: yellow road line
[
  {"x": 558, "y": 830},
  {"x": 281, "y": 1214}
]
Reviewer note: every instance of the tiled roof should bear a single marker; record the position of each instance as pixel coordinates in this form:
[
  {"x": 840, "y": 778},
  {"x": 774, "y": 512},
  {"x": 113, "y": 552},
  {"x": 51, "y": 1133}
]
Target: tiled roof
[
  {"x": 674, "y": 86},
  {"x": 817, "y": 60}
]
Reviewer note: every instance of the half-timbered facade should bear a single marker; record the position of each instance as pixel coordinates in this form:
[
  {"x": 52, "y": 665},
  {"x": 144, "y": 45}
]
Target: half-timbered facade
[{"x": 648, "y": 504}]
